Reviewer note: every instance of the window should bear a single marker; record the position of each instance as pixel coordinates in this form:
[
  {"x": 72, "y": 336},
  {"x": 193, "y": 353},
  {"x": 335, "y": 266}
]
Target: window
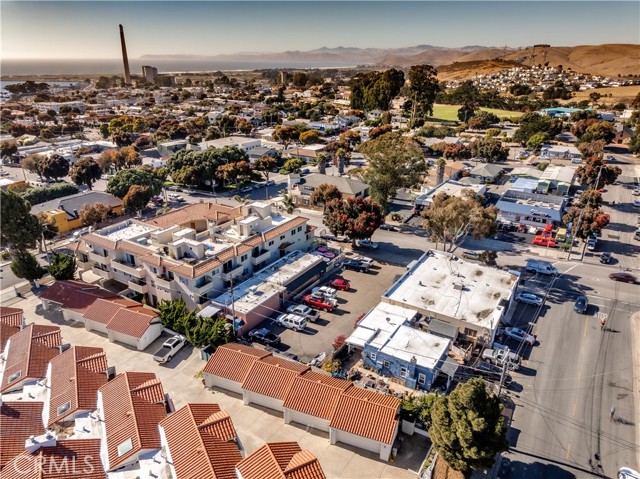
[
  {"x": 403, "y": 372},
  {"x": 470, "y": 332},
  {"x": 293, "y": 232},
  {"x": 385, "y": 364},
  {"x": 282, "y": 237},
  {"x": 64, "y": 408},
  {"x": 243, "y": 257},
  {"x": 270, "y": 243},
  {"x": 183, "y": 280},
  {"x": 15, "y": 376},
  {"x": 125, "y": 447},
  {"x": 299, "y": 229},
  {"x": 421, "y": 378},
  {"x": 372, "y": 356}
]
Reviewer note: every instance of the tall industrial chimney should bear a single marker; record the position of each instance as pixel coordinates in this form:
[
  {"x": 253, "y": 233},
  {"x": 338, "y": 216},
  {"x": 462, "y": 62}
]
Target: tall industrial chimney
[{"x": 125, "y": 58}]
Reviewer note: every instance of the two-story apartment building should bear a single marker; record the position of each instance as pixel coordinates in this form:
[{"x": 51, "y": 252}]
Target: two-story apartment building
[{"x": 195, "y": 252}]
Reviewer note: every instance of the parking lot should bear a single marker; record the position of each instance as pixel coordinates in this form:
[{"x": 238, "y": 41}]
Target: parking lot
[{"x": 364, "y": 293}]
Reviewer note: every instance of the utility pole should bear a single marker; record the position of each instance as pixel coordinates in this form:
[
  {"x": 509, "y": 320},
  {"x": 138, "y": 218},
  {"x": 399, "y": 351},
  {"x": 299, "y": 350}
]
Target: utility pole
[
  {"x": 503, "y": 373},
  {"x": 579, "y": 224}
]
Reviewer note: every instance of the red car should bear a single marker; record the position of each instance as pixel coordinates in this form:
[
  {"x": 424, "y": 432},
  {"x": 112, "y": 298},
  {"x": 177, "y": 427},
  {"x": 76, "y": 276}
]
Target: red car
[
  {"x": 341, "y": 284},
  {"x": 544, "y": 241},
  {"x": 317, "y": 303},
  {"x": 624, "y": 277}
]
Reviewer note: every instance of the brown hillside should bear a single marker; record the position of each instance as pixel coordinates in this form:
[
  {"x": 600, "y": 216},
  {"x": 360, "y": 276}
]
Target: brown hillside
[
  {"x": 608, "y": 59},
  {"x": 434, "y": 57},
  {"x": 464, "y": 70}
]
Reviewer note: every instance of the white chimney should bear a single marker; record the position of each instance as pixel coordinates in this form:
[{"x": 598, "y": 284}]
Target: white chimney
[{"x": 48, "y": 439}]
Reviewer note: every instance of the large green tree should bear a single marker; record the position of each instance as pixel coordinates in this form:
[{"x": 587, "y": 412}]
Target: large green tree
[
  {"x": 293, "y": 165},
  {"x": 62, "y": 266},
  {"x": 136, "y": 198},
  {"x": 489, "y": 148},
  {"x": 199, "y": 168},
  {"x": 450, "y": 219},
  {"x": 119, "y": 184},
  {"x": 85, "y": 171},
  {"x": 90, "y": 215},
  {"x": 599, "y": 131},
  {"x": 358, "y": 217},
  {"x": 585, "y": 221},
  {"x": 20, "y": 229},
  {"x": 286, "y": 134},
  {"x": 532, "y": 123},
  {"x": 25, "y": 265},
  {"x": 325, "y": 193},
  {"x": 467, "y": 427},
  {"x": 55, "y": 166},
  {"x": 375, "y": 90},
  {"x": 394, "y": 162},
  {"x": 594, "y": 170},
  {"x": 265, "y": 165},
  {"x": 423, "y": 89}
]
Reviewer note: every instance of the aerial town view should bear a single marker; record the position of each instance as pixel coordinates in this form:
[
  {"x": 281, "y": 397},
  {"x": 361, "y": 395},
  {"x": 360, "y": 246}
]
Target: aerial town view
[{"x": 320, "y": 239}]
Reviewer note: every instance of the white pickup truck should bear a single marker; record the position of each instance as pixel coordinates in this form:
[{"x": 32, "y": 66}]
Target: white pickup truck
[
  {"x": 539, "y": 266},
  {"x": 169, "y": 349},
  {"x": 498, "y": 357}
]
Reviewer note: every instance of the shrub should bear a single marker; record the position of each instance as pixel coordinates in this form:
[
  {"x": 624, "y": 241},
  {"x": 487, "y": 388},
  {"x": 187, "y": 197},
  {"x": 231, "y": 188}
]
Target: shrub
[{"x": 39, "y": 195}]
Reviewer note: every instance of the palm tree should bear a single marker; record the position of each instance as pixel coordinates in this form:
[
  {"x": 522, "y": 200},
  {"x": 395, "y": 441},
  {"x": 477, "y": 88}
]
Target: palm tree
[
  {"x": 288, "y": 202},
  {"x": 440, "y": 165},
  {"x": 322, "y": 164}
]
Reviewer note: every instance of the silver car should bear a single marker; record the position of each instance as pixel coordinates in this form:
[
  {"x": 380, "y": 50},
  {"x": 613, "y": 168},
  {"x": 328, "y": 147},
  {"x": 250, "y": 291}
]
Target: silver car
[{"x": 529, "y": 298}]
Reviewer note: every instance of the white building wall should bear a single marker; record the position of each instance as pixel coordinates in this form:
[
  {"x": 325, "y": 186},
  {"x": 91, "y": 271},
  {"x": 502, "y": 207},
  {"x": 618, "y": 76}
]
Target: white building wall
[
  {"x": 250, "y": 397},
  {"x": 305, "y": 419}
]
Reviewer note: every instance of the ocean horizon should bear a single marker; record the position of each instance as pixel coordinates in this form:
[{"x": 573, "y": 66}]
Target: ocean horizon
[{"x": 46, "y": 67}]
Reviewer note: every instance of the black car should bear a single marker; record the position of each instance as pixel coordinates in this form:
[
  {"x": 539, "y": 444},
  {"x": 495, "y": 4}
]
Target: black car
[
  {"x": 491, "y": 372},
  {"x": 388, "y": 227},
  {"x": 264, "y": 336},
  {"x": 582, "y": 305},
  {"x": 354, "y": 265},
  {"x": 605, "y": 258}
]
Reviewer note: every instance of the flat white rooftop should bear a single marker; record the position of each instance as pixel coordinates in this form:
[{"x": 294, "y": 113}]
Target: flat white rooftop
[
  {"x": 384, "y": 317},
  {"x": 250, "y": 294},
  {"x": 454, "y": 288},
  {"x": 408, "y": 343},
  {"x": 287, "y": 268},
  {"x": 126, "y": 230}
]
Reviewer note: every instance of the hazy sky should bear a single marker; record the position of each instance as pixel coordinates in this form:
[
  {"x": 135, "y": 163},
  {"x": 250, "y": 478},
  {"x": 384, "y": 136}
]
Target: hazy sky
[{"x": 52, "y": 29}]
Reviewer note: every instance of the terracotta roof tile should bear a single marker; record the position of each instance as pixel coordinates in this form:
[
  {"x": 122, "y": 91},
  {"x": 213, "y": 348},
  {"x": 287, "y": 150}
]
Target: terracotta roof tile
[
  {"x": 75, "y": 295},
  {"x": 132, "y": 322},
  {"x": 5, "y": 333},
  {"x": 316, "y": 394},
  {"x": 68, "y": 459},
  {"x": 233, "y": 361},
  {"x": 133, "y": 407},
  {"x": 280, "y": 460},
  {"x": 30, "y": 351},
  {"x": 18, "y": 421},
  {"x": 367, "y": 414},
  {"x": 103, "y": 310},
  {"x": 199, "y": 211},
  {"x": 289, "y": 225},
  {"x": 76, "y": 376},
  {"x": 273, "y": 376},
  {"x": 201, "y": 441},
  {"x": 11, "y": 321}
]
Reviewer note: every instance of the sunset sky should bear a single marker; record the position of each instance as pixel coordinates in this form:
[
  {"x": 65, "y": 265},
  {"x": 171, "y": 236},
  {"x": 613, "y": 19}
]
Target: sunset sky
[{"x": 68, "y": 30}]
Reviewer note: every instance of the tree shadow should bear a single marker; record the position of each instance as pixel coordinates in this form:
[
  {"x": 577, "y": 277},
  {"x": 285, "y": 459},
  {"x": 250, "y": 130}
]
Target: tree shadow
[{"x": 518, "y": 469}]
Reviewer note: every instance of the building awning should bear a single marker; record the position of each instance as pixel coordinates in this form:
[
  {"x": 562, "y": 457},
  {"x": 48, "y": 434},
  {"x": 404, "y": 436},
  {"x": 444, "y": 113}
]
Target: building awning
[
  {"x": 443, "y": 329},
  {"x": 449, "y": 367}
]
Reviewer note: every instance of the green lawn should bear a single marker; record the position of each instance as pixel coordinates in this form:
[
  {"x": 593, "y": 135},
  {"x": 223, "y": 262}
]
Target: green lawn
[{"x": 450, "y": 112}]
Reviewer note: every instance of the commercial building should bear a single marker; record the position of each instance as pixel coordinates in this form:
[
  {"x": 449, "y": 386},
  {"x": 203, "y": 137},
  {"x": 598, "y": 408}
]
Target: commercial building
[
  {"x": 242, "y": 142},
  {"x": 451, "y": 188},
  {"x": 557, "y": 179},
  {"x": 530, "y": 209},
  {"x": 194, "y": 252}
]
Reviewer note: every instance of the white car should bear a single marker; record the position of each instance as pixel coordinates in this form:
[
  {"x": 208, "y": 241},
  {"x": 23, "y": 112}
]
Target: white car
[
  {"x": 305, "y": 311},
  {"x": 529, "y": 298},
  {"x": 520, "y": 335},
  {"x": 325, "y": 291},
  {"x": 368, "y": 244},
  {"x": 591, "y": 244},
  {"x": 364, "y": 260},
  {"x": 292, "y": 321}
]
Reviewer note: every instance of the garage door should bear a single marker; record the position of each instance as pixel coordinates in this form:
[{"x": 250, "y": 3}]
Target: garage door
[
  {"x": 123, "y": 339},
  {"x": 266, "y": 401},
  {"x": 357, "y": 441},
  {"x": 96, "y": 326},
  {"x": 312, "y": 421},
  {"x": 224, "y": 383}
]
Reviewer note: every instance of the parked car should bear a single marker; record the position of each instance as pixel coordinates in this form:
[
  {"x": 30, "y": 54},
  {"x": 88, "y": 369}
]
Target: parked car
[
  {"x": 471, "y": 254},
  {"x": 324, "y": 292},
  {"x": 341, "y": 284},
  {"x": 324, "y": 304},
  {"x": 264, "y": 336},
  {"x": 623, "y": 277},
  {"x": 530, "y": 298},
  {"x": 305, "y": 311},
  {"x": 636, "y": 192},
  {"x": 591, "y": 244},
  {"x": 636, "y": 202},
  {"x": 499, "y": 356},
  {"x": 605, "y": 258},
  {"x": 257, "y": 186},
  {"x": 582, "y": 305},
  {"x": 354, "y": 265},
  {"x": 292, "y": 321},
  {"x": 368, "y": 244},
  {"x": 177, "y": 198},
  {"x": 365, "y": 260},
  {"x": 389, "y": 227},
  {"x": 520, "y": 335},
  {"x": 246, "y": 189},
  {"x": 544, "y": 241},
  {"x": 169, "y": 349}
]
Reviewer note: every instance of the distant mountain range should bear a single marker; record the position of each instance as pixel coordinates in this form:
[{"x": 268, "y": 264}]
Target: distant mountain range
[{"x": 608, "y": 59}]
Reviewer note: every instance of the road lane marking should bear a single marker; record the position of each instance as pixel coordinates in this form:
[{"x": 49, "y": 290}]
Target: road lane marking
[
  {"x": 568, "y": 451},
  {"x": 574, "y": 410},
  {"x": 584, "y": 335}
]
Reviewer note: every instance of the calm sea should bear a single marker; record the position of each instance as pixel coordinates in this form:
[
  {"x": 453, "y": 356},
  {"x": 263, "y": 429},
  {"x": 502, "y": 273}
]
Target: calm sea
[{"x": 114, "y": 67}]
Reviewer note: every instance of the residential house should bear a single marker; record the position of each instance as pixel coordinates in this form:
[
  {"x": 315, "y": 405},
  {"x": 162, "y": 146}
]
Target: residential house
[
  {"x": 167, "y": 148},
  {"x": 242, "y": 142},
  {"x": 194, "y": 252},
  {"x": 19, "y": 420},
  {"x": 623, "y": 134},
  {"x": 200, "y": 441},
  {"x": 131, "y": 406},
  {"x": 228, "y": 367},
  {"x": 11, "y": 321},
  {"x": 486, "y": 172},
  {"x": 451, "y": 188},
  {"x": 27, "y": 354},
  {"x": 559, "y": 151},
  {"x": 64, "y": 212},
  {"x": 280, "y": 460},
  {"x": 556, "y": 178},
  {"x": 349, "y": 187}
]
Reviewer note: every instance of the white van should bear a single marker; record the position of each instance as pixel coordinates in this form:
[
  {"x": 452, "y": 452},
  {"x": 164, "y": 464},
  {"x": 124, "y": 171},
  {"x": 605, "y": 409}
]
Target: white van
[{"x": 292, "y": 321}]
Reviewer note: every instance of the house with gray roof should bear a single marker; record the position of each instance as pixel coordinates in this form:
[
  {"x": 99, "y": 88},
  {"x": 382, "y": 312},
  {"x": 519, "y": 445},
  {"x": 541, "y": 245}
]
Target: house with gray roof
[{"x": 349, "y": 187}]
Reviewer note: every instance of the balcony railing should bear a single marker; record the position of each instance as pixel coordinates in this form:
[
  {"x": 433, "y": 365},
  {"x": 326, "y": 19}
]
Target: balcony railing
[
  {"x": 232, "y": 274},
  {"x": 98, "y": 258},
  {"x": 139, "y": 286},
  {"x": 135, "y": 271},
  {"x": 102, "y": 273},
  {"x": 83, "y": 265},
  {"x": 163, "y": 281},
  {"x": 261, "y": 258},
  {"x": 203, "y": 287}
]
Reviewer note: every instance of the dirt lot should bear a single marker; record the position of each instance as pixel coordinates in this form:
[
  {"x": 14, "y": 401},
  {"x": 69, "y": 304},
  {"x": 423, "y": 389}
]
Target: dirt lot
[{"x": 365, "y": 292}]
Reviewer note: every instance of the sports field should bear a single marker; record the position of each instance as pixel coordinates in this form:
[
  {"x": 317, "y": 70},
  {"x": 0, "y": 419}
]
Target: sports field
[{"x": 450, "y": 112}]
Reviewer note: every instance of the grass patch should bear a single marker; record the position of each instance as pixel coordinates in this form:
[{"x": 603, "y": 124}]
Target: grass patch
[{"x": 450, "y": 112}]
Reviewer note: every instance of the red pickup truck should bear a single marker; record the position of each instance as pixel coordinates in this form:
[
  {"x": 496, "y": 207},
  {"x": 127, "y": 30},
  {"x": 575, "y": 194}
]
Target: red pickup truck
[{"x": 318, "y": 303}]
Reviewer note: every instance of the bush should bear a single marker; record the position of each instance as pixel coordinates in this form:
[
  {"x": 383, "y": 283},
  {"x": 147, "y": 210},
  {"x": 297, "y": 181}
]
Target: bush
[{"x": 39, "y": 195}]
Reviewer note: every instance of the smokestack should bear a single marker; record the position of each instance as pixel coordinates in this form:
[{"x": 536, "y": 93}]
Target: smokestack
[{"x": 125, "y": 58}]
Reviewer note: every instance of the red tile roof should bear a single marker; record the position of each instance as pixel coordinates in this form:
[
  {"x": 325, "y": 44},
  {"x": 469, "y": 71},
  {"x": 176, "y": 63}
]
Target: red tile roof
[
  {"x": 273, "y": 376},
  {"x": 76, "y": 376},
  {"x": 30, "y": 351},
  {"x": 187, "y": 214},
  {"x": 133, "y": 407},
  {"x": 316, "y": 394},
  {"x": 280, "y": 460},
  {"x": 103, "y": 310},
  {"x": 233, "y": 361},
  {"x": 133, "y": 321},
  {"x": 18, "y": 421},
  {"x": 75, "y": 295},
  {"x": 367, "y": 414},
  {"x": 11, "y": 321},
  {"x": 68, "y": 459},
  {"x": 201, "y": 442}
]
